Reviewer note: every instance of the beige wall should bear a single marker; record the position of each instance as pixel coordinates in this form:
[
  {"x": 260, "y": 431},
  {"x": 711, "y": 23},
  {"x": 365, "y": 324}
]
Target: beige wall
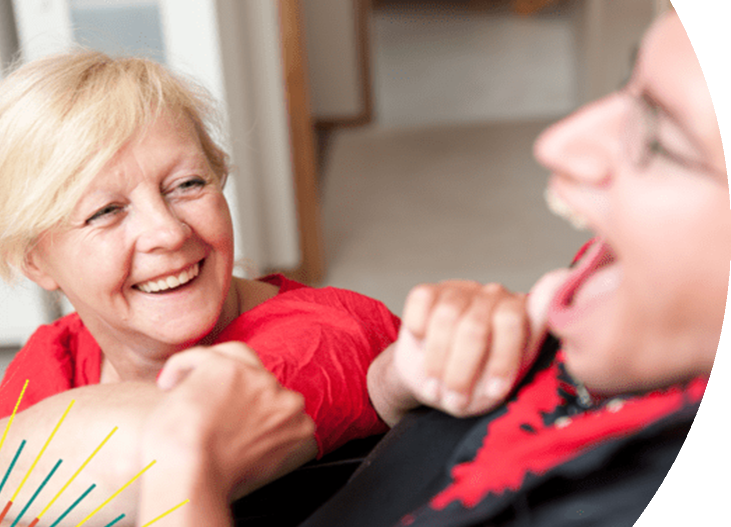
[
  {"x": 332, "y": 48},
  {"x": 608, "y": 32}
]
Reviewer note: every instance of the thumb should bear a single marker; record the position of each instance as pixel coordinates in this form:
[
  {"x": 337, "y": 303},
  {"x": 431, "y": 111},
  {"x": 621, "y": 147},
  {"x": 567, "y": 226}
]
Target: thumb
[{"x": 539, "y": 301}]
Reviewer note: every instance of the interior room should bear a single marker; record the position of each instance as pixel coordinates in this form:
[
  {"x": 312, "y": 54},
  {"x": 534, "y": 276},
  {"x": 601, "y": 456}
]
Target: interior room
[
  {"x": 426, "y": 113},
  {"x": 442, "y": 182}
]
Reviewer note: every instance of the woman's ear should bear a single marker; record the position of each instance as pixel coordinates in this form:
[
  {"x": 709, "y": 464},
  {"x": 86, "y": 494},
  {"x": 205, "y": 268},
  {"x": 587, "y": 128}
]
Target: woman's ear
[{"x": 34, "y": 270}]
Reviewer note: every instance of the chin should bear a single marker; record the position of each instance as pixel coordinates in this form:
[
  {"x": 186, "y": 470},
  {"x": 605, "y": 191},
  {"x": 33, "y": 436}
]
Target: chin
[
  {"x": 192, "y": 335},
  {"x": 600, "y": 376}
]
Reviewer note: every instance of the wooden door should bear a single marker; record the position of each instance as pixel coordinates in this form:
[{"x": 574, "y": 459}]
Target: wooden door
[{"x": 302, "y": 138}]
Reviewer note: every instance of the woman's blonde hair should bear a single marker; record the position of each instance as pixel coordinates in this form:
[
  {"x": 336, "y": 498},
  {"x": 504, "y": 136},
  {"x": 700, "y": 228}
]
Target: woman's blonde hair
[{"x": 62, "y": 118}]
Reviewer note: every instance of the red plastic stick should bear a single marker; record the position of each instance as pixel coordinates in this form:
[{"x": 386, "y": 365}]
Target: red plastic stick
[{"x": 5, "y": 510}]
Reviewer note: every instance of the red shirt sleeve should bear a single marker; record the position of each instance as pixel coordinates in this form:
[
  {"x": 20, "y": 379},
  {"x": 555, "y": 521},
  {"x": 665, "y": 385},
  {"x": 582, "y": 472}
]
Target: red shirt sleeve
[
  {"x": 56, "y": 358},
  {"x": 320, "y": 342}
]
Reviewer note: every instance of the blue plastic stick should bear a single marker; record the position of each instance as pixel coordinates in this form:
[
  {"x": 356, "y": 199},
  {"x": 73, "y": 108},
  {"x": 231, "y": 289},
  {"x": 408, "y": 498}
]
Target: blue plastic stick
[
  {"x": 74, "y": 504},
  {"x": 115, "y": 520},
  {"x": 35, "y": 494},
  {"x": 10, "y": 468}
]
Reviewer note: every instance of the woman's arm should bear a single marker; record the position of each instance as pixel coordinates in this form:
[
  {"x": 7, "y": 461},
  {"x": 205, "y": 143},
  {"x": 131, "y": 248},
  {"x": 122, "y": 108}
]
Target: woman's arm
[
  {"x": 97, "y": 410},
  {"x": 230, "y": 425},
  {"x": 129, "y": 407}
]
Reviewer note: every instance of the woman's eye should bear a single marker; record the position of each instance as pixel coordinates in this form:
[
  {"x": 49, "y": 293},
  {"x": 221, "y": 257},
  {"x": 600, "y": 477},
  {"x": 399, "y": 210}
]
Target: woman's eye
[
  {"x": 105, "y": 212},
  {"x": 192, "y": 183}
]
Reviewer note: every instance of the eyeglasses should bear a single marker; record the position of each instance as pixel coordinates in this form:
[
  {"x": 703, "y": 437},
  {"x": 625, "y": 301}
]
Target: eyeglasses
[{"x": 642, "y": 137}]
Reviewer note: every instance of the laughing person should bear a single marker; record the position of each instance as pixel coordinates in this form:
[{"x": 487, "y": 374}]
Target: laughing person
[
  {"x": 591, "y": 432},
  {"x": 113, "y": 194}
]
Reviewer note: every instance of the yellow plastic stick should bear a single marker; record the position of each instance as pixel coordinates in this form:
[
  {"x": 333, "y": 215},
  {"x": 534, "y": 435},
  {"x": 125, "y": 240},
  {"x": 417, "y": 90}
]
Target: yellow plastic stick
[
  {"x": 12, "y": 416},
  {"x": 76, "y": 473},
  {"x": 166, "y": 513},
  {"x": 42, "y": 450},
  {"x": 92, "y": 513}
]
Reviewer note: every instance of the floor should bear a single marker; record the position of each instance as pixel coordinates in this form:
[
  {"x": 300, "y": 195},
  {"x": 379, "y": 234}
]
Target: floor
[{"x": 443, "y": 184}]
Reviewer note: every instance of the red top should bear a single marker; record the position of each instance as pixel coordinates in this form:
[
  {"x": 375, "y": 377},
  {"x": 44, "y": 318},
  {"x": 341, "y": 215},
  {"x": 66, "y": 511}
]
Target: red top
[{"x": 318, "y": 342}]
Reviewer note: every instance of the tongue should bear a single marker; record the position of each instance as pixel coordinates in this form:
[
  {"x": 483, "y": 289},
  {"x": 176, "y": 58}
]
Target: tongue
[{"x": 593, "y": 278}]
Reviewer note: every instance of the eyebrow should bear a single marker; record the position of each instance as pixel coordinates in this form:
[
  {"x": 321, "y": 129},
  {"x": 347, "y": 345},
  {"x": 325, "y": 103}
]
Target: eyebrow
[
  {"x": 653, "y": 99},
  {"x": 654, "y": 102}
]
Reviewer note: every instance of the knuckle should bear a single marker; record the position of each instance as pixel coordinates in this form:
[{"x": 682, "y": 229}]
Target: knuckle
[
  {"x": 297, "y": 400},
  {"x": 446, "y": 312},
  {"x": 493, "y": 288},
  {"x": 422, "y": 289},
  {"x": 462, "y": 285},
  {"x": 420, "y": 295},
  {"x": 508, "y": 319}
]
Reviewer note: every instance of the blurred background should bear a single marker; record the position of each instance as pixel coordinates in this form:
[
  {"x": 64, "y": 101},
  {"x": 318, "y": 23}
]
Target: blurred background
[{"x": 378, "y": 144}]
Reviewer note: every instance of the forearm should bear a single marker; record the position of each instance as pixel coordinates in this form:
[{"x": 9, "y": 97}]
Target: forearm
[
  {"x": 194, "y": 482},
  {"x": 190, "y": 482},
  {"x": 97, "y": 410}
]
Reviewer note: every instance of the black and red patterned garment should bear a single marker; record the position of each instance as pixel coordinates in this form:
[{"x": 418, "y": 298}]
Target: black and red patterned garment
[{"x": 551, "y": 456}]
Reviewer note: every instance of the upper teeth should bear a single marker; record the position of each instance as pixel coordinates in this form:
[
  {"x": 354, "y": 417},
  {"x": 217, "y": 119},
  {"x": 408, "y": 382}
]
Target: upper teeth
[
  {"x": 560, "y": 208},
  {"x": 169, "y": 282}
]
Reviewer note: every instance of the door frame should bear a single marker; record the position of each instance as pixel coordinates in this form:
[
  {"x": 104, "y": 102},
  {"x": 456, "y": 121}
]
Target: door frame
[{"x": 302, "y": 138}]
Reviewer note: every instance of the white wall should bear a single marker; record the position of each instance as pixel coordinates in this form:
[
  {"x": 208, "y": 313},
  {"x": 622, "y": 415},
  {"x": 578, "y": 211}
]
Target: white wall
[
  {"x": 332, "y": 49},
  {"x": 236, "y": 54},
  {"x": 23, "y": 306}
]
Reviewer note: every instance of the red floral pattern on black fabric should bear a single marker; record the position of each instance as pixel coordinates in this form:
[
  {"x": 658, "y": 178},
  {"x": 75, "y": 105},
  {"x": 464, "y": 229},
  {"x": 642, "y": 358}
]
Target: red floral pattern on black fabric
[{"x": 543, "y": 428}]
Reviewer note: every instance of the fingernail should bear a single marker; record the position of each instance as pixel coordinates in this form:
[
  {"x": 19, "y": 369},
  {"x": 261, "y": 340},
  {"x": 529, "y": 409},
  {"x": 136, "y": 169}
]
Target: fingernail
[
  {"x": 454, "y": 401},
  {"x": 495, "y": 388},
  {"x": 430, "y": 392}
]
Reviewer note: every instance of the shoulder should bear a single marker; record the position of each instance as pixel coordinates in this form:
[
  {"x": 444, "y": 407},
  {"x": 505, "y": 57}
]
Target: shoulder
[
  {"x": 56, "y": 337},
  {"x": 291, "y": 292},
  {"x": 56, "y": 358},
  {"x": 298, "y": 310}
]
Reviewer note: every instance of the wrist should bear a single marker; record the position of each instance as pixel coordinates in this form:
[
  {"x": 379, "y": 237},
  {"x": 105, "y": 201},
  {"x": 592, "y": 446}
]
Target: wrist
[{"x": 390, "y": 395}]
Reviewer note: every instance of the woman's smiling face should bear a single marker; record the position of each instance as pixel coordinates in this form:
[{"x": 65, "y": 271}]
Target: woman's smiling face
[
  {"x": 644, "y": 169},
  {"x": 148, "y": 256}
]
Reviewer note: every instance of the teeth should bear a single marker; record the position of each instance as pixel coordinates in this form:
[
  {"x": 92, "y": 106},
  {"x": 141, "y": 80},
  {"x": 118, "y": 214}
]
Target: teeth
[
  {"x": 170, "y": 282},
  {"x": 562, "y": 209}
]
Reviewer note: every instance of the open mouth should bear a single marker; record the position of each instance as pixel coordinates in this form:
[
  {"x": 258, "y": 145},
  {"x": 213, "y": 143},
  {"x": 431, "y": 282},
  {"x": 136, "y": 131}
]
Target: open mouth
[
  {"x": 171, "y": 282},
  {"x": 596, "y": 276}
]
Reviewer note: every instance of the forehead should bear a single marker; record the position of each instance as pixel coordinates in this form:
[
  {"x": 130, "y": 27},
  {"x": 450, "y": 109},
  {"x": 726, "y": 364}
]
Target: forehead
[
  {"x": 167, "y": 141},
  {"x": 176, "y": 133},
  {"x": 669, "y": 71}
]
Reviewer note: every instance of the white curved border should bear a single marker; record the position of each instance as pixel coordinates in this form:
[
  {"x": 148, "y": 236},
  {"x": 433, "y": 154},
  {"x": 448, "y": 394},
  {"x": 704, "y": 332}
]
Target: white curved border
[{"x": 697, "y": 491}]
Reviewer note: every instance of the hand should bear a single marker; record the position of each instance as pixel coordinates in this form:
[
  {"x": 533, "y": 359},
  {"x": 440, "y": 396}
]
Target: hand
[
  {"x": 230, "y": 414},
  {"x": 462, "y": 347}
]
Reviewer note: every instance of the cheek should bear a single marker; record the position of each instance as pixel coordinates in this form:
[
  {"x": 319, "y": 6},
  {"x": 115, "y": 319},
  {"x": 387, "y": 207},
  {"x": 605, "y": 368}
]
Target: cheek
[
  {"x": 211, "y": 219},
  {"x": 671, "y": 230},
  {"x": 674, "y": 242},
  {"x": 221, "y": 225}
]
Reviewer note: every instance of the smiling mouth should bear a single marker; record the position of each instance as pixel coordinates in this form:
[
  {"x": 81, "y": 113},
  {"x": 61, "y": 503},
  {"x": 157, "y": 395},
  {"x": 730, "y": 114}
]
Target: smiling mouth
[{"x": 171, "y": 282}]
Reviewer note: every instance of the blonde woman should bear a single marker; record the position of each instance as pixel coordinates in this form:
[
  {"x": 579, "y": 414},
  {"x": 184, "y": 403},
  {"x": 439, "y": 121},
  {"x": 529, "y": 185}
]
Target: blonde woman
[{"x": 112, "y": 194}]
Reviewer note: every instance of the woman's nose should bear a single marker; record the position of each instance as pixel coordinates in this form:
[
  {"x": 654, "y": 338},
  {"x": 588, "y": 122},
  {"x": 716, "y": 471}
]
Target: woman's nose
[
  {"x": 160, "y": 229},
  {"x": 587, "y": 145}
]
